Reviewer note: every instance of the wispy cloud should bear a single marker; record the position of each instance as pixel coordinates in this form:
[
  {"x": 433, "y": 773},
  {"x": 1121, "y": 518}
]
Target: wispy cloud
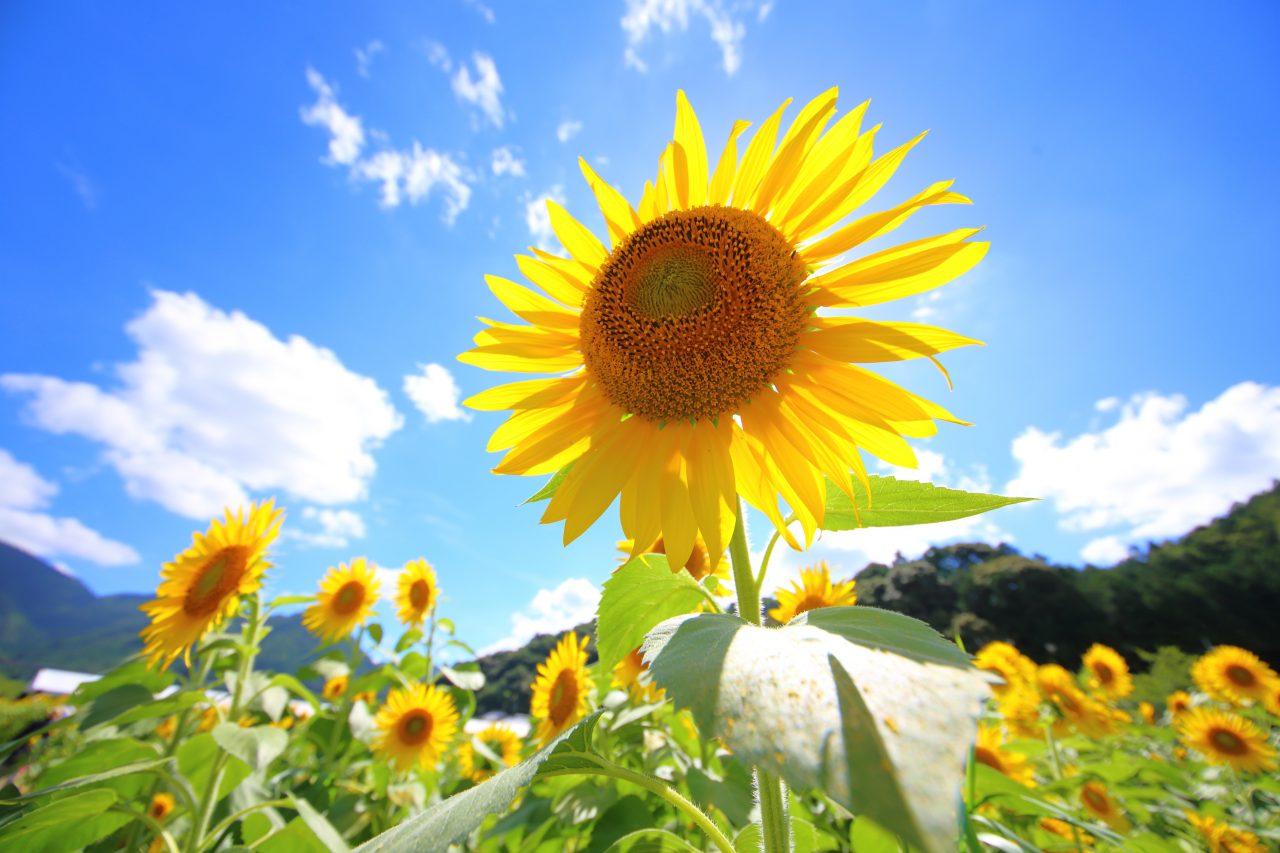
[
  {"x": 505, "y": 162},
  {"x": 483, "y": 10},
  {"x": 81, "y": 183},
  {"x": 726, "y": 29},
  {"x": 346, "y": 132},
  {"x": 483, "y": 88},
  {"x": 365, "y": 55},
  {"x": 568, "y": 129}
]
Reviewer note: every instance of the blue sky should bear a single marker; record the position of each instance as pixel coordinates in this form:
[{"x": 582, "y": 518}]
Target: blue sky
[{"x": 230, "y": 238}]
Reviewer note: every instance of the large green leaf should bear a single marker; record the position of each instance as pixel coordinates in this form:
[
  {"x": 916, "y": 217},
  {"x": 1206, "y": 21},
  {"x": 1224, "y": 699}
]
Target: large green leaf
[
  {"x": 884, "y": 629},
  {"x": 257, "y": 746},
  {"x": 639, "y": 595},
  {"x": 451, "y": 820},
  {"x": 92, "y": 779},
  {"x": 320, "y": 826},
  {"x": 771, "y": 695},
  {"x": 196, "y": 756},
  {"x": 897, "y": 503},
  {"x": 130, "y": 672},
  {"x": 115, "y": 702},
  {"x": 60, "y": 813}
]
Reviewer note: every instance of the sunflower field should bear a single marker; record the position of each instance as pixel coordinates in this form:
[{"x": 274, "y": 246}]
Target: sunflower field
[{"x": 701, "y": 361}]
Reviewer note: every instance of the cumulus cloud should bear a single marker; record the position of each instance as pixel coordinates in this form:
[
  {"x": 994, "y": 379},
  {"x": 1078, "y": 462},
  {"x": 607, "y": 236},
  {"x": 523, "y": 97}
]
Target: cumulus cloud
[
  {"x": 1159, "y": 469},
  {"x": 24, "y": 494},
  {"x": 726, "y": 30},
  {"x": 550, "y": 612},
  {"x": 538, "y": 219},
  {"x": 365, "y": 55},
  {"x": 568, "y": 130},
  {"x": 327, "y": 528},
  {"x": 346, "y": 132},
  {"x": 215, "y": 406},
  {"x": 435, "y": 394},
  {"x": 410, "y": 174},
  {"x": 505, "y": 162},
  {"x": 483, "y": 89}
]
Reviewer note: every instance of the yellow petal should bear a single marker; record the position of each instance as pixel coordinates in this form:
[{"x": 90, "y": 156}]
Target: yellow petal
[
  {"x": 726, "y": 169},
  {"x": 620, "y": 218},
  {"x": 830, "y": 158},
  {"x": 593, "y": 482},
  {"x": 826, "y": 194},
  {"x": 529, "y": 306},
  {"x": 576, "y": 237},
  {"x": 898, "y": 272},
  {"x": 877, "y": 224},
  {"x": 705, "y": 494},
  {"x": 794, "y": 149},
  {"x": 754, "y": 481},
  {"x": 688, "y": 135},
  {"x": 869, "y": 182},
  {"x": 866, "y": 341},
  {"x": 679, "y": 529},
  {"x": 529, "y": 394},
  {"x": 756, "y": 159},
  {"x": 557, "y": 282},
  {"x": 649, "y": 203}
]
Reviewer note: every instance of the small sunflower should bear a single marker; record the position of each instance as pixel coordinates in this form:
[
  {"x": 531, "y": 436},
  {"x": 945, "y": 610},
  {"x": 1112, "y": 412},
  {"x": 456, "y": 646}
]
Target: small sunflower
[
  {"x": 693, "y": 361},
  {"x": 346, "y": 599},
  {"x": 368, "y": 697},
  {"x": 500, "y": 740},
  {"x": 1062, "y": 829},
  {"x": 415, "y": 725},
  {"x": 989, "y": 751},
  {"x": 1223, "y": 838},
  {"x": 632, "y": 674},
  {"x": 560, "y": 690},
  {"x": 1004, "y": 659},
  {"x": 1232, "y": 674},
  {"x": 335, "y": 688},
  {"x": 1108, "y": 672},
  {"x": 1148, "y": 712},
  {"x": 161, "y": 807},
  {"x": 165, "y": 730},
  {"x": 285, "y": 722},
  {"x": 1019, "y": 708},
  {"x": 812, "y": 591},
  {"x": 1091, "y": 717},
  {"x": 416, "y": 593},
  {"x": 1226, "y": 738},
  {"x": 1098, "y": 802},
  {"x": 202, "y": 587},
  {"x": 1178, "y": 701}
]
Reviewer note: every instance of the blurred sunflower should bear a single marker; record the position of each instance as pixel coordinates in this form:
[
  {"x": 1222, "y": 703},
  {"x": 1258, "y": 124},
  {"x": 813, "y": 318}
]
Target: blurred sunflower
[
  {"x": 1107, "y": 671},
  {"x": 560, "y": 690},
  {"x": 812, "y": 591},
  {"x": 335, "y": 688},
  {"x": 692, "y": 363},
  {"x": 1062, "y": 829},
  {"x": 1232, "y": 674},
  {"x": 1148, "y": 712},
  {"x": 632, "y": 674},
  {"x": 167, "y": 727},
  {"x": 203, "y": 585},
  {"x": 1178, "y": 701},
  {"x": 1019, "y": 707},
  {"x": 1089, "y": 716},
  {"x": 416, "y": 592},
  {"x": 1223, "y": 838},
  {"x": 346, "y": 599},
  {"x": 1004, "y": 659},
  {"x": 415, "y": 726},
  {"x": 988, "y": 750},
  {"x": 161, "y": 807},
  {"x": 1225, "y": 738},
  {"x": 1097, "y": 801},
  {"x": 499, "y": 740}
]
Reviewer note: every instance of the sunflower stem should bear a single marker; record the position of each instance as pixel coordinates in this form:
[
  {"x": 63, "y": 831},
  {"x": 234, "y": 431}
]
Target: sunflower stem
[
  {"x": 344, "y": 707},
  {"x": 775, "y": 828}
]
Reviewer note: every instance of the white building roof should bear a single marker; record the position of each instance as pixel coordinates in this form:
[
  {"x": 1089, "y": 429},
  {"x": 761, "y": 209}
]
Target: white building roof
[{"x": 62, "y": 682}]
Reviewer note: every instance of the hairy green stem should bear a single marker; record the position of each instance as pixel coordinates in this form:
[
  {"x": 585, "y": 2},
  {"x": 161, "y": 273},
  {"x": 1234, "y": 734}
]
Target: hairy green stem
[
  {"x": 666, "y": 792},
  {"x": 775, "y": 825},
  {"x": 744, "y": 580}
]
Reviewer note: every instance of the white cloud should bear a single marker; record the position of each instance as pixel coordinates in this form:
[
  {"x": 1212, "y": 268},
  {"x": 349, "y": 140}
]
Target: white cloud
[
  {"x": 551, "y": 611},
  {"x": 926, "y": 306},
  {"x": 568, "y": 130},
  {"x": 215, "y": 406},
  {"x": 1105, "y": 551},
  {"x": 727, "y": 31},
  {"x": 333, "y": 528},
  {"x": 80, "y": 182},
  {"x": 438, "y": 55},
  {"x": 411, "y": 174},
  {"x": 538, "y": 219},
  {"x": 505, "y": 162},
  {"x": 1159, "y": 470},
  {"x": 23, "y": 493},
  {"x": 346, "y": 131},
  {"x": 483, "y": 10},
  {"x": 365, "y": 55},
  {"x": 484, "y": 89},
  {"x": 435, "y": 394}
]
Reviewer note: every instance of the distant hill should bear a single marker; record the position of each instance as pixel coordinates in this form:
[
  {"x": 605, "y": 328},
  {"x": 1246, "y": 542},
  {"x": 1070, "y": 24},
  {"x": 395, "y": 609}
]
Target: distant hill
[{"x": 48, "y": 619}]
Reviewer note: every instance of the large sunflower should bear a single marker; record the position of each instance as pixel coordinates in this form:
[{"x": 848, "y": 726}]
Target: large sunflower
[
  {"x": 1235, "y": 675},
  {"x": 203, "y": 585},
  {"x": 692, "y": 362},
  {"x": 1108, "y": 673},
  {"x": 416, "y": 592},
  {"x": 1225, "y": 738},
  {"x": 347, "y": 595},
  {"x": 560, "y": 690},
  {"x": 415, "y": 725},
  {"x": 813, "y": 590},
  {"x": 499, "y": 740}
]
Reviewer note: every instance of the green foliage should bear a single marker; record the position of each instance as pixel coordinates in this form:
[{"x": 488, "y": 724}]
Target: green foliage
[
  {"x": 897, "y": 503},
  {"x": 638, "y": 596},
  {"x": 1168, "y": 670}
]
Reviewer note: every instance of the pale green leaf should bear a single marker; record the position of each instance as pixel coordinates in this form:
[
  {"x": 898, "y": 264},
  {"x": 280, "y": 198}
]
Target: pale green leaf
[
  {"x": 131, "y": 672},
  {"x": 465, "y": 675},
  {"x": 638, "y": 596},
  {"x": 884, "y": 629},
  {"x": 296, "y": 687},
  {"x": 897, "y": 503},
  {"x": 651, "y": 841},
  {"x": 256, "y": 746},
  {"x": 548, "y": 491},
  {"x": 319, "y": 824},
  {"x": 114, "y": 702}
]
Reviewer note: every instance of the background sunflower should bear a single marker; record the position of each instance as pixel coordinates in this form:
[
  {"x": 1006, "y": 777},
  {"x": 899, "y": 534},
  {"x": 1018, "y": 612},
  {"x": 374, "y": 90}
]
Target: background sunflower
[
  {"x": 814, "y": 589},
  {"x": 415, "y": 726},
  {"x": 560, "y": 692},
  {"x": 416, "y": 592},
  {"x": 346, "y": 599}
]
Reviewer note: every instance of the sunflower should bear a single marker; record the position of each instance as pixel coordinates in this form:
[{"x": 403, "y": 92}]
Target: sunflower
[
  {"x": 812, "y": 591},
  {"x": 699, "y": 565},
  {"x": 632, "y": 674},
  {"x": 691, "y": 362},
  {"x": 415, "y": 725},
  {"x": 1222, "y": 838},
  {"x": 1226, "y": 738},
  {"x": 1019, "y": 708},
  {"x": 1097, "y": 801},
  {"x": 1232, "y": 674},
  {"x": 499, "y": 740},
  {"x": 989, "y": 751},
  {"x": 416, "y": 592},
  {"x": 1091, "y": 717},
  {"x": 161, "y": 807},
  {"x": 1062, "y": 829},
  {"x": 560, "y": 690},
  {"x": 203, "y": 585},
  {"x": 167, "y": 727},
  {"x": 346, "y": 599},
  {"x": 1108, "y": 672},
  {"x": 1148, "y": 712},
  {"x": 335, "y": 688},
  {"x": 1004, "y": 659},
  {"x": 1178, "y": 701}
]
